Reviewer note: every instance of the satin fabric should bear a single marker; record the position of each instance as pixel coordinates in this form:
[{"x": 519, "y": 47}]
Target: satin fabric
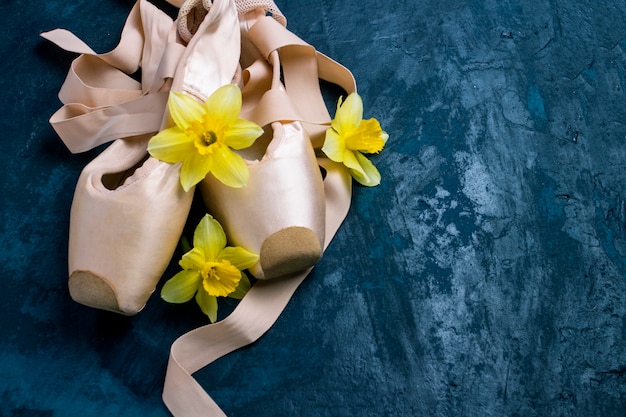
[
  {"x": 302, "y": 67},
  {"x": 125, "y": 236},
  {"x": 284, "y": 190},
  {"x": 101, "y": 102},
  {"x": 124, "y": 224},
  {"x": 255, "y": 315},
  {"x": 126, "y": 219},
  {"x": 117, "y": 267},
  {"x": 265, "y": 301}
]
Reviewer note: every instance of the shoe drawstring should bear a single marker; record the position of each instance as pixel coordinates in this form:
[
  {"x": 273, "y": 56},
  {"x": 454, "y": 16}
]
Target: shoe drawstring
[{"x": 190, "y": 16}]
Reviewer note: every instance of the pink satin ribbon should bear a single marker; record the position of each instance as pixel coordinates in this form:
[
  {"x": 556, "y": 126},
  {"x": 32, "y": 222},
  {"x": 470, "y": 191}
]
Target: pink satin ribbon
[
  {"x": 255, "y": 315},
  {"x": 101, "y": 101}
]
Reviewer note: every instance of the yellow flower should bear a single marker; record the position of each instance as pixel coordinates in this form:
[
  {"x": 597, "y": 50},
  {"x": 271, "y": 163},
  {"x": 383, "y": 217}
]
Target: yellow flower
[
  {"x": 203, "y": 136},
  {"x": 211, "y": 269},
  {"x": 350, "y": 136}
]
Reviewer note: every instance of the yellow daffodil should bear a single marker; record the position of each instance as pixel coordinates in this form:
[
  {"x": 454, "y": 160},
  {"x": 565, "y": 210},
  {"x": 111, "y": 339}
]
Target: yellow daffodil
[
  {"x": 203, "y": 136},
  {"x": 210, "y": 270},
  {"x": 350, "y": 136}
]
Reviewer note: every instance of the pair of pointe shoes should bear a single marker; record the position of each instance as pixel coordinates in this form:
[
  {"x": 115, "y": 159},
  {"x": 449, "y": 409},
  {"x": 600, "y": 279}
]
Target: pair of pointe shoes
[{"x": 129, "y": 209}]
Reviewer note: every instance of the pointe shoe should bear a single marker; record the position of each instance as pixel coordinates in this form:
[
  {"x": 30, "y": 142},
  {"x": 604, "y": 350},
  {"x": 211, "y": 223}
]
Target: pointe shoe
[
  {"x": 122, "y": 197},
  {"x": 124, "y": 227},
  {"x": 129, "y": 209},
  {"x": 280, "y": 214}
]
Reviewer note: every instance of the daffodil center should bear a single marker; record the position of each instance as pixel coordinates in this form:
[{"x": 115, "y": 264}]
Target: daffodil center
[
  {"x": 209, "y": 138},
  {"x": 209, "y": 272},
  {"x": 366, "y": 137},
  {"x": 220, "y": 278},
  {"x": 204, "y": 141},
  {"x": 204, "y": 138}
]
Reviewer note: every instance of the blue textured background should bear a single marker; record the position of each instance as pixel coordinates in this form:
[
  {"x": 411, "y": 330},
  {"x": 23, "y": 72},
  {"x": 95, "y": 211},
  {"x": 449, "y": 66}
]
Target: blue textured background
[{"x": 485, "y": 276}]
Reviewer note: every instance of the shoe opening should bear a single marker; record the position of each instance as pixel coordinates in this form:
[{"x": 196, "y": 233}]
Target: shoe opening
[{"x": 115, "y": 180}]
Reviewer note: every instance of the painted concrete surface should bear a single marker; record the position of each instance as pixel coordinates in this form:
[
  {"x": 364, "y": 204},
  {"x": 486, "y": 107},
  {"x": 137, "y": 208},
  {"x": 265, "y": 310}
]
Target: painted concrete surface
[{"x": 485, "y": 276}]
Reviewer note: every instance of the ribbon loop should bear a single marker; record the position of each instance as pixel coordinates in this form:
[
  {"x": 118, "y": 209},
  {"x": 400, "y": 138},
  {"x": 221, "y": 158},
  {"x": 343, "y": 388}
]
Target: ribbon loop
[
  {"x": 303, "y": 66},
  {"x": 255, "y": 314},
  {"x": 102, "y": 102}
]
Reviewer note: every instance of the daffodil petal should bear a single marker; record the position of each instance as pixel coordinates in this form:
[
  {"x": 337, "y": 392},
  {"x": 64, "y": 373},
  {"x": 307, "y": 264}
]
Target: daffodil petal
[
  {"x": 349, "y": 113},
  {"x": 194, "y": 259},
  {"x": 184, "y": 109},
  {"x": 242, "y": 288},
  {"x": 334, "y": 146},
  {"x": 171, "y": 145},
  {"x": 226, "y": 281},
  {"x": 385, "y": 137},
  {"x": 225, "y": 103},
  {"x": 194, "y": 169},
  {"x": 210, "y": 237},
  {"x": 208, "y": 305},
  {"x": 181, "y": 287},
  {"x": 241, "y": 134},
  {"x": 239, "y": 257},
  {"x": 368, "y": 175},
  {"x": 350, "y": 160},
  {"x": 229, "y": 167}
]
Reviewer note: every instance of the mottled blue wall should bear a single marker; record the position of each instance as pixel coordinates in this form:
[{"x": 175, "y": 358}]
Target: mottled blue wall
[{"x": 485, "y": 276}]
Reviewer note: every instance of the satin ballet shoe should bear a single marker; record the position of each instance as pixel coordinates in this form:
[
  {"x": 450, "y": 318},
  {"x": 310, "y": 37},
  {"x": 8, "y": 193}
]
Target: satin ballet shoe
[
  {"x": 280, "y": 213},
  {"x": 126, "y": 219},
  {"x": 129, "y": 209},
  {"x": 115, "y": 252}
]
